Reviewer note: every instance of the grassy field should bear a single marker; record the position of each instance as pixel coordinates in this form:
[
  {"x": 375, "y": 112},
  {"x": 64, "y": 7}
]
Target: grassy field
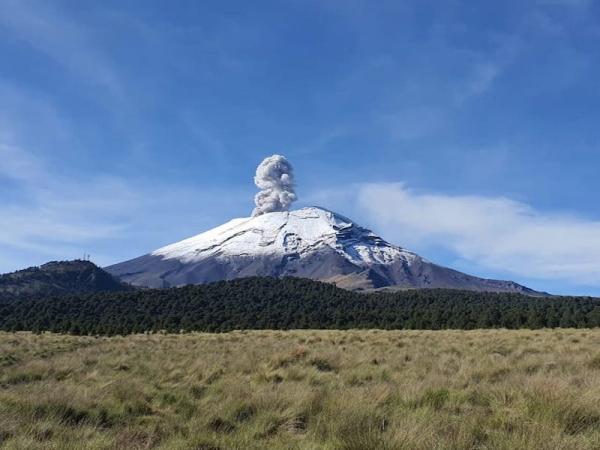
[{"x": 493, "y": 389}]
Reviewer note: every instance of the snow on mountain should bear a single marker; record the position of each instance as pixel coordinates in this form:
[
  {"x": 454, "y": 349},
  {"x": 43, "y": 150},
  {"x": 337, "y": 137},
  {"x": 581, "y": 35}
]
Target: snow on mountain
[
  {"x": 287, "y": 233},
  {"x": 309, "y": 242}
]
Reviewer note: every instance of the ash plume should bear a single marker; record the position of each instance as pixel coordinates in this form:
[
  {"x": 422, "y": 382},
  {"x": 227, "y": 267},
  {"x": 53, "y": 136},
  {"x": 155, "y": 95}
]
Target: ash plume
[{"x": 275, "y": 178}]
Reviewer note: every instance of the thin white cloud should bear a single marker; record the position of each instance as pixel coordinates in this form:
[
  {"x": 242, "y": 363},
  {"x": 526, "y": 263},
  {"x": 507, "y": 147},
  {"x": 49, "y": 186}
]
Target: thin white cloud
[
  {"x": 479, "y": 81},
  {"x": 53, "y": 211},
  {"x": 16, "y": 164},
  {"x": 48, "y": 215},
  {"x": 322, "y": 141},
  {"x": 494, "y": 232},
  {"x": 46, "y": 29},
  {"x": 415, "y": 123}
]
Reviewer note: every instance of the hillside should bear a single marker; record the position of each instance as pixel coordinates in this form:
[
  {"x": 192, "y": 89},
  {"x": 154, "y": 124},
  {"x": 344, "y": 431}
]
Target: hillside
[
  {"x": 292, "y": 303},
  {"x": 58, "y": 278}
]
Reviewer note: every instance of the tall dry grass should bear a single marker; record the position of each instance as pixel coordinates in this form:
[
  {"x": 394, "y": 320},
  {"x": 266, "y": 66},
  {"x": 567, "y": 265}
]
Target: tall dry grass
[{"x": 492, "y": 389}]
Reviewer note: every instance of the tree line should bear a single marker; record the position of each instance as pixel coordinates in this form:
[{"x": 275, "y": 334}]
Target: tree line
[{"x": 290, "y": 303}]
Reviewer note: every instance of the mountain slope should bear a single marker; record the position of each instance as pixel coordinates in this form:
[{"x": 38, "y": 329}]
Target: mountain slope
[
  {"x": 309, "y": 243},
  {"x": 59, "y": 278}
]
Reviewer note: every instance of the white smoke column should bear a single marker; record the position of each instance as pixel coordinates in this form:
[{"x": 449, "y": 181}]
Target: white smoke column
[{"x": 275, "y": 178}]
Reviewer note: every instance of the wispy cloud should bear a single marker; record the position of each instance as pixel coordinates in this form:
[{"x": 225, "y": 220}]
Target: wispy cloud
[
  {"x": 322, "y": 141},
  {"x": 57, "y": 216},
  {"x": 48, "y": 30},
  {"x": 494, "y": 232},
  {"x": 414, "y": 123},
  {"x": 479, "y": 81},
  {"x": 55, "y": 210},
  {"x": 16, "y": 164}
]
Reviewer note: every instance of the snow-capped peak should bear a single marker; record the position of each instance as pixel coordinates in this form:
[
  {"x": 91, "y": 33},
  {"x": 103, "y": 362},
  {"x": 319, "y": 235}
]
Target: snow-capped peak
[
  {"x": 298, "y": 233},
  {"x": 310, "y": 243}
]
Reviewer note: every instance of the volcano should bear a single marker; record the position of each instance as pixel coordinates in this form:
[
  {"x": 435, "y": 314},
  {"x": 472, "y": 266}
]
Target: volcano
[{"x": 308, "y": 243}]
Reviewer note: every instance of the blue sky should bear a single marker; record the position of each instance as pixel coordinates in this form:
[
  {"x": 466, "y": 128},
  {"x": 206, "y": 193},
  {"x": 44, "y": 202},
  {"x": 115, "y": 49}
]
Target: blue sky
[{"x": 465, "y": 131}]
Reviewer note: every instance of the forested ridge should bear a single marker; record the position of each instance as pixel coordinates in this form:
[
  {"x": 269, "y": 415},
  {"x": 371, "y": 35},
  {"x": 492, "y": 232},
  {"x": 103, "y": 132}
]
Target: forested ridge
[
  {"x": 59, "y": 278},
  {"x": 290, "y": 303}
]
